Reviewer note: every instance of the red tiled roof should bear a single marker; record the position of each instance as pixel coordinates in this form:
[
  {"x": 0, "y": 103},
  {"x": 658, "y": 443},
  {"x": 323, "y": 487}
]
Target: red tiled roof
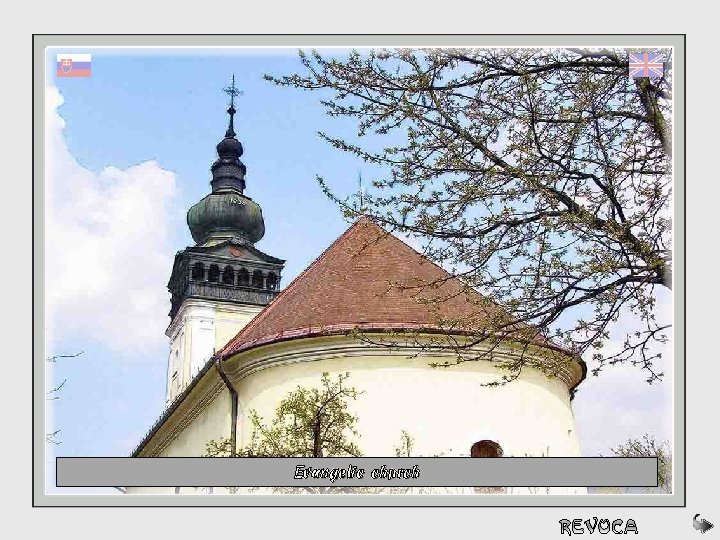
[{"x": 354, "y": 284}]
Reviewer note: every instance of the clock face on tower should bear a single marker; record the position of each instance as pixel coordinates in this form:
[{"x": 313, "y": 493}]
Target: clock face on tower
[{"x": 235, "y": 252}]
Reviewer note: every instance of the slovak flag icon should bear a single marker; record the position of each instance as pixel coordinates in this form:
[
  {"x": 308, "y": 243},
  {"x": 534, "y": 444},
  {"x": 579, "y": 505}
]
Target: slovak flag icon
[{"x": 73, "y": 65}]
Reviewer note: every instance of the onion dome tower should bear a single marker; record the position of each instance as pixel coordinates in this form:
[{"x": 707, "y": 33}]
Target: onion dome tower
[
  {"x": 223, "y": 281},
  {"x": 227, "y": 212}
]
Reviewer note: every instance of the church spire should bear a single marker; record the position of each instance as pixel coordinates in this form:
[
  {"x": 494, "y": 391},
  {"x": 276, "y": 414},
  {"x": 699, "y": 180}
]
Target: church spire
[
  {"x": 232, "y": 92},
  {"x": 222, "y": 281},
  {"x": 227, "y": 212},
  {"x": 228, "y": 171}
]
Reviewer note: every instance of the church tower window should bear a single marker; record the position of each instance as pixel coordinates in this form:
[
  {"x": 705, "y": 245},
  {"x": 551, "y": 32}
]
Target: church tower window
[
  {"x": 228, "y": 276},
  {"x": 257, "y": 279},
  {"x": 198, "y": 271},
  {"x": 214, "y": 273},
  {"x": 243, "y": 278}
]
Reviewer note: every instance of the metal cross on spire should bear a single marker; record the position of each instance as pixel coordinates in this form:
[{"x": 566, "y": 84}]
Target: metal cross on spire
[{"x": 232, "y": 91}]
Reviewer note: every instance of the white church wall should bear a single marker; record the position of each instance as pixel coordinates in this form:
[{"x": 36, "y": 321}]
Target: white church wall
[
  {"x": 445, "y": 410},
  {"x": 213, "y": 422},
  {"x": 186, "y": 435}
]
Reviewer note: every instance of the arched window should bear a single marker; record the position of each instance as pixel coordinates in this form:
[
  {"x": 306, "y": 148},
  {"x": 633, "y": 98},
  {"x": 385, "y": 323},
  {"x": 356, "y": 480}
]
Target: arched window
[
  {"x": 198, "y": 271},
  {"x": 272, "y": 281},
  {"x": 214, "y": 273},
  {"x": 257, "y": 279},
  {"x": 228, "y": 276},
  {"x": 486, "y": 449},
  {"x": 243, "y": 278}
]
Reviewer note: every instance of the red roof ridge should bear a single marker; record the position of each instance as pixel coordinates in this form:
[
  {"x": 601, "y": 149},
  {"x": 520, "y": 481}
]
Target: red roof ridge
[{"x": 424, "y": 257}]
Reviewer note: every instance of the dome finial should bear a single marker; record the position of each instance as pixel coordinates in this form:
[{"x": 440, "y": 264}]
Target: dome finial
[
  {"x": 232, "y": 92},
  {"x": 228, "y": 171}
]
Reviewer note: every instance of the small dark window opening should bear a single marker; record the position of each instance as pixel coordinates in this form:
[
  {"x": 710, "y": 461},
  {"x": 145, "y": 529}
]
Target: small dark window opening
[
  {"x": 486, "y": 449},
  {"x": 257, "y": 279},
  {"x": 198, "y": 271},
  {"x": 243, "y": 278},
  {"x": 272, "y": 281},
  {"x": 228, "y": 276},
  {"x": 214, "y": 273}
]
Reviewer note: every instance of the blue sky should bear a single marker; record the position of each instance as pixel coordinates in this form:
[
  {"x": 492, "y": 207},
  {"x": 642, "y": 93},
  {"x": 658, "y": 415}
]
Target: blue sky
[{"x": 129, "y": 151}]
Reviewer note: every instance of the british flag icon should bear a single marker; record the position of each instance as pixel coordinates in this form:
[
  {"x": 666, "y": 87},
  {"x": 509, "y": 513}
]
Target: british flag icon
[{"x": 646, "y": 65}]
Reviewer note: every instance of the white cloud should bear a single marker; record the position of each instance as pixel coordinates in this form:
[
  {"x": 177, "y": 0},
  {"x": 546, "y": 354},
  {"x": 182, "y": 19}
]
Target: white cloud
[{"x": 108, "y": 250}]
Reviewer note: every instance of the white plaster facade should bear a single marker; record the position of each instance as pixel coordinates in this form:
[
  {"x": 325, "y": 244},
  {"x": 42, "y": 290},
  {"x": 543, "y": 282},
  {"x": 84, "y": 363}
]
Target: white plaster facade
[
  {"x": 199, "y": 328},
  {"x": 445, "y": 410}
]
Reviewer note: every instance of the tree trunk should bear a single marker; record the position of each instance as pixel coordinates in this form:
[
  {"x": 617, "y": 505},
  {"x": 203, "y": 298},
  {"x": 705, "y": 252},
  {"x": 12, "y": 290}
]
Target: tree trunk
[
  {"x": 648, "y": 98},
  {"x": 317, "y": 443}
]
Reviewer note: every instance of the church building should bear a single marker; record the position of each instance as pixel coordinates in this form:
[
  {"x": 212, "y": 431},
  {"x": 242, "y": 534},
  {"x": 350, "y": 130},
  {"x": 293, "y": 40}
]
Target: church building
[{"x": 238, "y": 342}]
